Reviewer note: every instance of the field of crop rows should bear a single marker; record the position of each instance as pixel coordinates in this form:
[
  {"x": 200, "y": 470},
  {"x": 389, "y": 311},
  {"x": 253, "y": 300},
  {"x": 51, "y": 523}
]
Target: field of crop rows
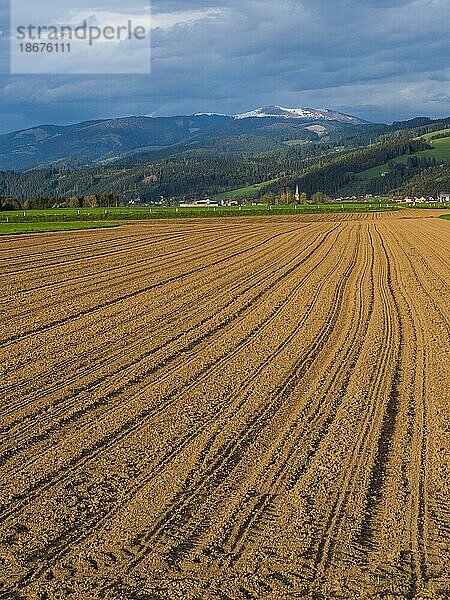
[{"x": 227, "y": 409}]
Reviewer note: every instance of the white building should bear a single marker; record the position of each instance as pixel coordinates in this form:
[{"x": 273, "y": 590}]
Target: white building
[{"x": 206, "y": 203}]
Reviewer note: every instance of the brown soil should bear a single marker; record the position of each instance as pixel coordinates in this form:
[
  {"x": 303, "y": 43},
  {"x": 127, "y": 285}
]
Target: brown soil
[{"x": 227, "y": 409}]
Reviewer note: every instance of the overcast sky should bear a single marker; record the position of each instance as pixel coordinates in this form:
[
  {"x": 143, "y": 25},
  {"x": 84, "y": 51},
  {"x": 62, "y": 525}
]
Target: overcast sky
[{"x": 381, "y": 60}]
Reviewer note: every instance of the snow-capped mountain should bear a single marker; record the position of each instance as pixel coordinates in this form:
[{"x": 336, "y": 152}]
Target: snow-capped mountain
[
  {"x": 110, "y": 139},
  {"x": 320, "y": 114}
]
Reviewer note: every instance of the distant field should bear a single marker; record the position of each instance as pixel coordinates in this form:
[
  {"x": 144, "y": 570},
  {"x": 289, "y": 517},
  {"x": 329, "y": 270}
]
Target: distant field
[
  {"x": 45, "y": 226},
  {"x": 66, "y": 219},
  {"x": 440, "y": 152},
  {"x": 374, "y": 172},
  {"x": 243, "y": 192},
  {"x": 296, "y": 142},
  {"x": 70, "y": 219},
  {"x": 428, "y": 136}
]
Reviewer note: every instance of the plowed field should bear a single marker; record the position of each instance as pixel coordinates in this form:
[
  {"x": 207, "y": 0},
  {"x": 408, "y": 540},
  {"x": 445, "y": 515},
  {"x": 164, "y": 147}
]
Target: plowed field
[{"x": 227, "y": 409}]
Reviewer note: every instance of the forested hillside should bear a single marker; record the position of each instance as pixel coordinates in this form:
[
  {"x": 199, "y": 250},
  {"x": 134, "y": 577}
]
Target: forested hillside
[{"x": 342, "y": 160}]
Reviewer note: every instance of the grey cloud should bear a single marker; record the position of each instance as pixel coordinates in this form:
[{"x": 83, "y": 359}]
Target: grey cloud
[{"x": 382, "y": 60}]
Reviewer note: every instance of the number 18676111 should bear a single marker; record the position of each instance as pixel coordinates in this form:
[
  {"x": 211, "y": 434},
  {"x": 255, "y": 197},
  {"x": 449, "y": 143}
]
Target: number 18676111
[{"x": 36, "y": 47}]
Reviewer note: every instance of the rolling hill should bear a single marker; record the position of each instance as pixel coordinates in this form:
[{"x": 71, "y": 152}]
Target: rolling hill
[
  {"x": 438, "y": 153},
  {"x": 91, "y": 142},
  {"x": 227, "y": 158}
]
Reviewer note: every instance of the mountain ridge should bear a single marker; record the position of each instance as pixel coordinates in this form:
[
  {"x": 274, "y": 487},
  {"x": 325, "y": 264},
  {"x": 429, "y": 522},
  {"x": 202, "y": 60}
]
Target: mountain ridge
[
  {"x": 93, "y": 141},
  {"x": 301, "y": 113},
  {"x": 136, "y": 141}
]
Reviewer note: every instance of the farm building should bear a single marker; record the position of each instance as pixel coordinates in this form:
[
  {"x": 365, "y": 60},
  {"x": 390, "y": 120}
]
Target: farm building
[
  {"x": 194, "y": 203},
  {"x": 444, "y": 197},
  {"x": 402, "y": 200}
]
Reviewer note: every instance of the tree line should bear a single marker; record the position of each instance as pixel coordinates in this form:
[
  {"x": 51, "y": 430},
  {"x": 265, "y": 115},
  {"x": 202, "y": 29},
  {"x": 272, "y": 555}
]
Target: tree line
[{"x": 42, "y": 202}]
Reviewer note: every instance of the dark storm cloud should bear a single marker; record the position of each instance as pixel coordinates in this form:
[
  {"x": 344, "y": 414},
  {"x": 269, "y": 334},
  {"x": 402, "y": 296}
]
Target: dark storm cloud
[{"x": 381, "y": 60}]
